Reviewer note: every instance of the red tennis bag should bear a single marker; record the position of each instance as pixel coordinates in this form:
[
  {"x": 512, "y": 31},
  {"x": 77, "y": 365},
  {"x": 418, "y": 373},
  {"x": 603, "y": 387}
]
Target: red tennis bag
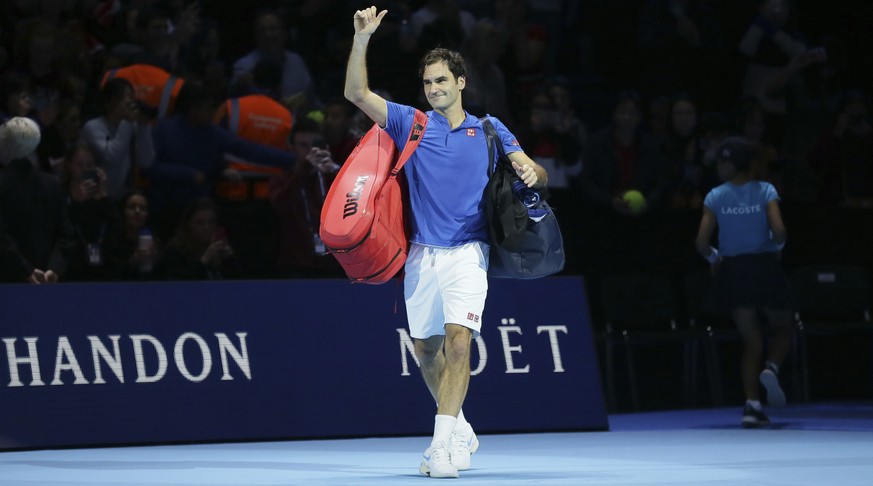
[{"x": 363, "y": 221}]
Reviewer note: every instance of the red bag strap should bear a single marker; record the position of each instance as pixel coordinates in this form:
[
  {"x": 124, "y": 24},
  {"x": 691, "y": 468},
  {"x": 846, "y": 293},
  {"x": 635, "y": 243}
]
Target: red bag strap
[{"x": 416, "y": 132}]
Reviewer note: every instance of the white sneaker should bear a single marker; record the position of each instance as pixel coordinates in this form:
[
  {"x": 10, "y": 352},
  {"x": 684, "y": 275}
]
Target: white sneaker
[
  {"x": 464, "y": 444},
  {"x": 436, "y": 462},
  {"x": 770, "y": 380}
]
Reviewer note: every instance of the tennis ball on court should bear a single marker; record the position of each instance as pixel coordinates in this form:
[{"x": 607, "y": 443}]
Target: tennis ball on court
[{"x": 635, "y": 201}]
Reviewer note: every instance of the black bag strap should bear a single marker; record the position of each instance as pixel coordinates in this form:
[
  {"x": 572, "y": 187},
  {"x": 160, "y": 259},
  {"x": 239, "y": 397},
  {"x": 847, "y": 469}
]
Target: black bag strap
[{"x": 494, "y": 143}]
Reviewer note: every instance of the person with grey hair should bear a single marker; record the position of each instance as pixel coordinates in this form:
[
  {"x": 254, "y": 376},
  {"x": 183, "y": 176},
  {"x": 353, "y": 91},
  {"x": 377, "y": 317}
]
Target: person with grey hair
[{"x": 36, "y": 235}]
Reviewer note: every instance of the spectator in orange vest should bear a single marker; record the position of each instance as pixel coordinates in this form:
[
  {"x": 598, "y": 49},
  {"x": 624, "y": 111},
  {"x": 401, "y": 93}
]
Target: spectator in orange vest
[
  {"x": 245, "y": 206},
  {"x": 256, "y": 117}
]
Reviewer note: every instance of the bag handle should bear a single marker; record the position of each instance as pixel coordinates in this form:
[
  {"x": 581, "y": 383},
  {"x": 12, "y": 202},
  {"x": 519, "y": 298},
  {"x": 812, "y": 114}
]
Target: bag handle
[
  {"x": 416, "y": 133},
  {"x": 493, "y": 141}
]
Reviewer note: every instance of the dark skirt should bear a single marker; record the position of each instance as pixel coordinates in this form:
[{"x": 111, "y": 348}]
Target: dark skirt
[{"x": 754, "y": 280}]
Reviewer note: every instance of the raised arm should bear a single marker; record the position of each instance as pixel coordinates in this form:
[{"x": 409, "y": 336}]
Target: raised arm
[{"x": 357, "y": 89}]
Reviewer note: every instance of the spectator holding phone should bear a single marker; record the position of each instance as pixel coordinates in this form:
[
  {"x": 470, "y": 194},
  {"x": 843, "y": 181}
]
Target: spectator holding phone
[
  {"x": 199, "y": 250},
  {"x": 120, "y": 138},
  {"x": 131, "y": 250},
  {"x": 297, "y": 198},
  {"x": 90, "y": 212}
]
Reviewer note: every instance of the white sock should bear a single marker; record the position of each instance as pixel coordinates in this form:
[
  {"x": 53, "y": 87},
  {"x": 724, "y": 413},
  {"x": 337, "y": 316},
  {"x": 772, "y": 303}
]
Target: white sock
[
  {"x": 442, "y": 429},
  {"x": 756, "y": 404}
]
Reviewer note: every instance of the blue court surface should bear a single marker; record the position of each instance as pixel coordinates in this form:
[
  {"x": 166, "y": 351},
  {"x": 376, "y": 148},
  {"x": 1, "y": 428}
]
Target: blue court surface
[{"x": 809, "y": 444}]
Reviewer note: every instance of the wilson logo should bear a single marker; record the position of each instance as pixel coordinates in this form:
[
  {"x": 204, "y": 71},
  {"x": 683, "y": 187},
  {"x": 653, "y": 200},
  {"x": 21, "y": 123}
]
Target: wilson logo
[{"x": 352, "y": 198}]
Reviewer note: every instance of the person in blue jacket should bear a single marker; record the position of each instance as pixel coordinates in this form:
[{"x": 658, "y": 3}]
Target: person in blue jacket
[
  {"x": 445, "y": 280},
  {"x": 189, "y": 155},
  {"x": 748, "y": 279}
]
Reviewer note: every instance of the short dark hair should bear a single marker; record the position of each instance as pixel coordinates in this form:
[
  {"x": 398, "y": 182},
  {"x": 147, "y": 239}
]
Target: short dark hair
[
  {"x": 303, "y": 125},
  {"x": 112, "y": 91},
  {"x": 739, "y": 151},
  {"x": 454, "y": 60}
]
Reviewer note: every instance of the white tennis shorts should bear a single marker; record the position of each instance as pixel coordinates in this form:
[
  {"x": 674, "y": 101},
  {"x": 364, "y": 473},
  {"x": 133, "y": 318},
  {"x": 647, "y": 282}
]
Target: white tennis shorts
[{"x": 445, "y": 286}]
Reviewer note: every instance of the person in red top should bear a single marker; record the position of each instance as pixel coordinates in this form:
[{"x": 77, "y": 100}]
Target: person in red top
[
  {"x": 617, "y": 159},
  {"x": 297, "y": 198}
]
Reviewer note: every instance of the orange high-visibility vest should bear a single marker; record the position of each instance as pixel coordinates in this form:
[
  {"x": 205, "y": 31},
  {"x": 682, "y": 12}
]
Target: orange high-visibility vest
[
  {"x": 152, "y": 85},
  {"x": 260, "y": 119}
]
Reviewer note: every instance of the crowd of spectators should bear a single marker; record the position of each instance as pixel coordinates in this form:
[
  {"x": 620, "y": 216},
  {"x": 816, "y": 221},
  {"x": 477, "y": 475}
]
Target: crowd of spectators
[{"x": 160, "y": 177}]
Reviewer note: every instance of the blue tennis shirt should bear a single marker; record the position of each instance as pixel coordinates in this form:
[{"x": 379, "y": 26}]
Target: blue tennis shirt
[
  {"x": 447, "y": 175},
  {"x": 741, "y": 212}
]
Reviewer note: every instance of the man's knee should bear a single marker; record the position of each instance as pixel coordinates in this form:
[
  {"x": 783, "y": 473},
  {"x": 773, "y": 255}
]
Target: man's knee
[
  {"x": 426, "y": 350},
  {"x": 458, "y": 339}
]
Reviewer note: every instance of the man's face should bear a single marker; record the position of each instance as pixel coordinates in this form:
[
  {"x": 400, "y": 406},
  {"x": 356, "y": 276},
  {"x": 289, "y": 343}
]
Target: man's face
[
  {"x": 270, "y": 34},
  {"x": 626, "y": 117},
  {"x": 302, "y": 143},
  {"x": 202, "y": 226},
  {"x": 136, "y": 211},
  {"x": 336, "y": 121},
  {"x": 441, "y": 88},
  {"x": 684, "y": 118}
]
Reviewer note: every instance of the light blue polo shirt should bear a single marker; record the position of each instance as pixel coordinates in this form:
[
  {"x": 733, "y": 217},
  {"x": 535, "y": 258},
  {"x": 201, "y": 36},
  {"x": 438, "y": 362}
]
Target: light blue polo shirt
[
  {"x": 741, "y": 212},
  {"x": 447, "y": 175}
]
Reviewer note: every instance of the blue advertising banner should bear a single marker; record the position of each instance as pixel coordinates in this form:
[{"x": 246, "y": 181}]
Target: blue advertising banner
[{"x": 125, "y": 363}]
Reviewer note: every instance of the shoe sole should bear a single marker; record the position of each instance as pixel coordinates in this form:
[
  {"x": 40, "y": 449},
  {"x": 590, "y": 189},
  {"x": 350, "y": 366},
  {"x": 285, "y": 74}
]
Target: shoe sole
[
  {"x": 424, "y": 470},
  {"x": 751, "y": 424},
  {"x": 775, "y": 395}
]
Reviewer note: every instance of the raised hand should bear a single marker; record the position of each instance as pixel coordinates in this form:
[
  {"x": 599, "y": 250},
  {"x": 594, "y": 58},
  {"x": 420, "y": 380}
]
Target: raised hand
[
  {"x": 526, "y": 173},
  {"x": 367, "y": 20}
]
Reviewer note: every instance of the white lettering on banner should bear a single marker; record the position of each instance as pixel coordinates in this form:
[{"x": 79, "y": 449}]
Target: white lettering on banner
[
  {"x": 98, "y": 350},
  {"x": 406, "y": 347},
  {"x": 32, "y": 359},
  {"x": 507, "y": 327},
  {"x": 507, "y": 349},
  {"x": 240, "y": 356},
  {"x": 483, "y": 356},
  {"x": 553, "y": 342},
  {"x": 152, "y": 364},
  {"x": 179, "y": 355},
  {"x": 141, "y": 375},
  {"x": 71, "y": 364}
]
